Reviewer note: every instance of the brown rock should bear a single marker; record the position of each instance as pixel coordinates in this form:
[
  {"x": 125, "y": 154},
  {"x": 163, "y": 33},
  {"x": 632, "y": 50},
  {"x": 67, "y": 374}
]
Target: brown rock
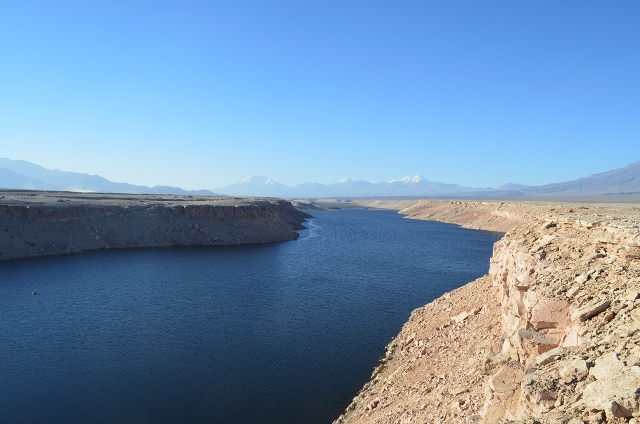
[{"x": 550, "y": 313}]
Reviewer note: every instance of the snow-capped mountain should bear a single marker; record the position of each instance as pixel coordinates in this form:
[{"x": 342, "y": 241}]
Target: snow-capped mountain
[
  {"x": 256, "y": 185},
  {"x": 409, "y": 180},
  {"x": 346, "y": 187}
]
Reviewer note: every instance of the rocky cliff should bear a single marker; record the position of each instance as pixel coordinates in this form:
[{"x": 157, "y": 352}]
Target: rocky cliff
[
  {"x": 51, "y": 223},
  {"x": 491, "y": 216},
  {"x": 550, "y": 335}
]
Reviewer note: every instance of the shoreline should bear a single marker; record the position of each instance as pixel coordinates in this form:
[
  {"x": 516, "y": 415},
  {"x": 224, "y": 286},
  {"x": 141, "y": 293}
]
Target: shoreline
[
  {"x": 34, "y": 223},
  {"x": 551, "y": 332}
]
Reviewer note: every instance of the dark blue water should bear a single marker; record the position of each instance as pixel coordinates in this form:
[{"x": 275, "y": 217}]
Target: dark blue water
[{"x": 277, "y": 333}]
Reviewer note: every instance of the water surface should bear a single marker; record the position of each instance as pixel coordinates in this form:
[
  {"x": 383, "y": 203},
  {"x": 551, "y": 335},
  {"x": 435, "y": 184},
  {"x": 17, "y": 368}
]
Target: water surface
[{"x": 275, "y": 333}]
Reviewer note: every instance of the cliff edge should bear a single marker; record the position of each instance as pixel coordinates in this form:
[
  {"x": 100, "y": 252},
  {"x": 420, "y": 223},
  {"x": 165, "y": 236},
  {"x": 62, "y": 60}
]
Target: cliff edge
[
  {"x": 550, "y": 335},
  {"x": 51, "y": 223}
]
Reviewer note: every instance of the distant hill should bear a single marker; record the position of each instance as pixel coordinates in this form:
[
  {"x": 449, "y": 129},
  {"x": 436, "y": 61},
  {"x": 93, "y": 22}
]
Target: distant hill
[
  {"x": 512, "y": 186},
  {"x": 10, "y": 179},
  {"x": 407, "y": 186},
  {"x": 622, "y": 181},
  {"x": 257, "y": 186},
  {"x": 20, "y": 174}
]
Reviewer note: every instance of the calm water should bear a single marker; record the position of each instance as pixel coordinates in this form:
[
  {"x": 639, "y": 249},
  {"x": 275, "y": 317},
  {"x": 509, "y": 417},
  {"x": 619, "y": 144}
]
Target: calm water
[{"x": 277, "y": 333}]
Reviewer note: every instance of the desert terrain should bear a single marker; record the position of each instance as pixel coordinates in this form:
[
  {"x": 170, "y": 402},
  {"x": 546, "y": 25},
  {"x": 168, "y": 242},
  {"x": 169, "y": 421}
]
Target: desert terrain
[{"x": 550, "y": 335}]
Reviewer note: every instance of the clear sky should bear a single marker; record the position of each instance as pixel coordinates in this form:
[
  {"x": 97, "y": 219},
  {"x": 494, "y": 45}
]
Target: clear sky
[{"x": 200, "y": 94}]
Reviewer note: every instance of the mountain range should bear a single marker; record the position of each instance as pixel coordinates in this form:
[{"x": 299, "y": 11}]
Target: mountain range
[
  {"x": 408, "y": 186},
  {"x": 621, "y": 181},
  {"x": 19, "y": 174}
]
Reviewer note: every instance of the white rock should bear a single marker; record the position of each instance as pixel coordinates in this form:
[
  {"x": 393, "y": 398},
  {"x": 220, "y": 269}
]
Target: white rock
[
  {"x": 572, "y": 291},
  {"x": 576, "y": 369},
  {"x": 581, "y": 279},
  {"x": 606, "y": 365},
  {"x": 590, "y": 311}
]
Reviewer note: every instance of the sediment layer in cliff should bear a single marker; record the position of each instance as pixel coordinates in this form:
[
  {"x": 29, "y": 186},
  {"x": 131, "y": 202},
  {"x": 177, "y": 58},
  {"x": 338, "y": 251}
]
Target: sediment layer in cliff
[
  {"x": 490, "y": 216},
  {"x": 550, "y": 335},
  {"x": 51, "y": 223}
]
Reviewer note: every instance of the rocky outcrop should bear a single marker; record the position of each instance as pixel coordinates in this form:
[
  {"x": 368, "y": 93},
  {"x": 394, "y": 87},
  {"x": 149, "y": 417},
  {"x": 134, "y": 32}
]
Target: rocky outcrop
[
  {"x": 45, "y": 223},
  {"x": 491, "y": 216},
  {"x": 550, "y": 335}
]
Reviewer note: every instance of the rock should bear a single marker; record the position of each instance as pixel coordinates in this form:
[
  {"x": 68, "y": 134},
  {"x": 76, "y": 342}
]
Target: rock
[
  {"x": 373, "y": 404},
  {"x": 615, "y": 388},
  {"x": 493, "y": 363},
  {"x": 543, "y": 242},
  {"x": 459, "y": 390},
  {"x": 537, "y": 338},
  {"x": 609, "y": 316},
  {"x": 576, "y": 370},
  {"x": 460, "y": 317},
  {"x": 548, "y": 224},
  {"x": 550, "y": 313},
  {"x": 504, "y": 388},
  {"x": 523, "y": 280},
  {"x": 573, "y": 291},
  {"x": 550, "y": 356},
  {"x": 621, "y": 408},
  {"x": 633, "y": 359},
  {"x": 410, "y": 339},
  {"x": 590, "y": 311},
  {"x": 546, "y": 240},
  {"x": 633, "y": 253},
  {"x": 581, "y": 279},
  {"x": 632, "y": 295},
  {"x": 606, "y": 365},
  {"x": 596, "y": 417}
]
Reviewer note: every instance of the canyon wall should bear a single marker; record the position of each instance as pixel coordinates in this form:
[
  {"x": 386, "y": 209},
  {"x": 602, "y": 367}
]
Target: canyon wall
[
  {"x": 49, "y": 223},
  {"x": 490, "y": 216},
  {"x": 550, "y": 335}
]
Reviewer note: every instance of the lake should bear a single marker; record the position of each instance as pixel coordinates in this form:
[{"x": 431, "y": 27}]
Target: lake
[{"x": 273, "y": 333}]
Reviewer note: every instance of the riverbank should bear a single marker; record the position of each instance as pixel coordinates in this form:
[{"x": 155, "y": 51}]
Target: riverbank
[
  {"x": 551, "y": 332},
  {"x": 51, "y": 223}
]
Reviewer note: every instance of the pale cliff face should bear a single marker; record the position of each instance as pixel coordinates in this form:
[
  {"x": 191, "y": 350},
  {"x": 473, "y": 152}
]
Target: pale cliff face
[{"x": 552, "y": 332}]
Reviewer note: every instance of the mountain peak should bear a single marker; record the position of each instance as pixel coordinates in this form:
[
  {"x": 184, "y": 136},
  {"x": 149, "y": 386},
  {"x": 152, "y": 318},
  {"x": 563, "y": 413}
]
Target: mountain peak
[
  {"x": 345, "y": 181},
  {"x": 256, "y": 179},
  {"x": 410, "y": 180}
]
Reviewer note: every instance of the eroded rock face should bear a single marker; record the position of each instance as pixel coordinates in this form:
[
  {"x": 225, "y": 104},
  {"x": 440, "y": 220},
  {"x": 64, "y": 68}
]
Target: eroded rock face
[
  {"x": 42, "y": 223},
  {"x": 565, "y": 300},
  {"x": 560, "y": 330}
]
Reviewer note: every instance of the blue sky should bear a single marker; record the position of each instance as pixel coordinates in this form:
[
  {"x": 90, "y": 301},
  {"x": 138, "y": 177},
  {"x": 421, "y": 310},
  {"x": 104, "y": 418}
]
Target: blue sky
[{"x": 200, "y": 94}]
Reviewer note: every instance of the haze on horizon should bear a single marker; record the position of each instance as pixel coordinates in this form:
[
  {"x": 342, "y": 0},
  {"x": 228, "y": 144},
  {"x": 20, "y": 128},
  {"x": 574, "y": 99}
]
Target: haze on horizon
[{"x": 202, "y": 95}]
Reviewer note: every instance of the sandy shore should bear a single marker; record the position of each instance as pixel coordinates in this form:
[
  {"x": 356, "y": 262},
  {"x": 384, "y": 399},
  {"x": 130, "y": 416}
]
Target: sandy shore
[{"x": 36, "y": 223}]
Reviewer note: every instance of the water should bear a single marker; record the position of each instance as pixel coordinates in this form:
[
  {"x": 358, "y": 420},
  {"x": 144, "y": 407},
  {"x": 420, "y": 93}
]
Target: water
[{"x": 277, "y": 333}]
